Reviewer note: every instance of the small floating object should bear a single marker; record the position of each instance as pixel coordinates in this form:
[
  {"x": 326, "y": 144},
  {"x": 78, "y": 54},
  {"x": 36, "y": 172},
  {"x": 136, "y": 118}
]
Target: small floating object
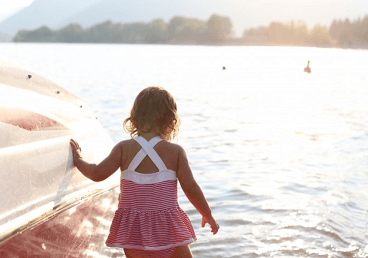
[
  {"x": 223, "y": 68},
  {"x": 307, "y": 69},
  {"x": 29, "y": 76}
]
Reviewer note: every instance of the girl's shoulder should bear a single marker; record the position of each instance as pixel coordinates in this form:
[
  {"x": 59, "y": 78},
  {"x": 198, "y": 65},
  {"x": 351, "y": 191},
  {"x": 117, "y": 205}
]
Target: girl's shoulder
[
  {"x": 169, "y": 147},
  {"x": 127, "y": 144}
]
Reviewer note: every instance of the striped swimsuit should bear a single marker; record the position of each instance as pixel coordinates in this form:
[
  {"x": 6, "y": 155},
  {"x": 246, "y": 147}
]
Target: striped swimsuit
[{"x": 148, "y": 216}]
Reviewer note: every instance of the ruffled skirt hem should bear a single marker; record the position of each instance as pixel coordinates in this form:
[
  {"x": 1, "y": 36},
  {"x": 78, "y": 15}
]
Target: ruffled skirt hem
[{"x": 150, "y": 230}]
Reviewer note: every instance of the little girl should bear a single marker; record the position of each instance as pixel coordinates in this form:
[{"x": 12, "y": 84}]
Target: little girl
[{"x": 149, "y": 221}]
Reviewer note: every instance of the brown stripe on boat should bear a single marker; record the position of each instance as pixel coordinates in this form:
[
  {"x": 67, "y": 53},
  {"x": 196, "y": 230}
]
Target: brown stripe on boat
[{"x": 28, "y": 120}]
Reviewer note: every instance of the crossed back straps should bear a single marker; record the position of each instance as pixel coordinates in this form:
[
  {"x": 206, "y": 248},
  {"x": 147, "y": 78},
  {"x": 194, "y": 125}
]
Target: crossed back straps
[{"x": 147, "y": 149}]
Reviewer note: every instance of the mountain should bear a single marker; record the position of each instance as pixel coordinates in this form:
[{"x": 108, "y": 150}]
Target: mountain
[
  {"x": 243, "y": 13},
  {"x": 5, "y": 37},
  {"x": 43, "y": 12},
  {"x": 59, "y": 13},
  {"x": 125, "y": 11}
]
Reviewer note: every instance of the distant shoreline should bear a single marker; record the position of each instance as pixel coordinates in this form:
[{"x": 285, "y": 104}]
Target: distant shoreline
[
  {"x": 216, "y": 31},
  {"x": 248, "y": 44}
]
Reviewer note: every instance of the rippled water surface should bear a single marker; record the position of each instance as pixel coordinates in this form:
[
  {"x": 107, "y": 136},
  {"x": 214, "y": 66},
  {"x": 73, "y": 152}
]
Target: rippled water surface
[{"x": 281, "y": 155}]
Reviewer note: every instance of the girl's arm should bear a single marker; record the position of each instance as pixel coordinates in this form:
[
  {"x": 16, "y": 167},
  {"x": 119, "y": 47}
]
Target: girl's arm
[
  {"x": 193, "y": 191},
  {"x": 98, "y": 172}
]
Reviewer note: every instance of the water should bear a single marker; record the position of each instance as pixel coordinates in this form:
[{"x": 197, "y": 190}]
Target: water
[{"x": 282, "y": 156}]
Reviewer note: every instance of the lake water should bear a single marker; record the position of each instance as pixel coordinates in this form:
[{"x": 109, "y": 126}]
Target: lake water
[{"x": 281, "y": 155}]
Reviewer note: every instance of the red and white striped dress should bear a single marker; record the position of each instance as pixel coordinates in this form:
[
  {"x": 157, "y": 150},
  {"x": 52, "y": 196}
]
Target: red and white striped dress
[{"x": 148, "y": 216}]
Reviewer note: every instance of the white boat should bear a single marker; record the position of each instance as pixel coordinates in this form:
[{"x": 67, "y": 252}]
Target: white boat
[{"x": 47, "y": 207}]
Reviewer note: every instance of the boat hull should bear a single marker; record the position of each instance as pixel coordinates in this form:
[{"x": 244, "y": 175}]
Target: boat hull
[
  {"x": 47, "y": 207},
  {"x": 78, "y": 231}
]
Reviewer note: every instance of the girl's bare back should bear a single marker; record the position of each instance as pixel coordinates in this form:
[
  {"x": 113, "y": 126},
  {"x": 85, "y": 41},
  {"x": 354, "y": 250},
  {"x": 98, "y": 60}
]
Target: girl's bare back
[{"x": 168, "y": 152}]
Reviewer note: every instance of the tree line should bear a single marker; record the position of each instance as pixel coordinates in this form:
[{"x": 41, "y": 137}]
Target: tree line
[
  {"x": 178, "y": 30},
  {"x": 341, "y": 33},
  {"x": 217, "y": 30}
]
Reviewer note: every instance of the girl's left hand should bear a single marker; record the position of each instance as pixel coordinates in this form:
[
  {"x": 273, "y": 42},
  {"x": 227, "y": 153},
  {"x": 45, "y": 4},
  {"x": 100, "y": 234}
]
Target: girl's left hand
[
  {"x": 76, "y": 150},
  {"x": 213, "y": 224}
]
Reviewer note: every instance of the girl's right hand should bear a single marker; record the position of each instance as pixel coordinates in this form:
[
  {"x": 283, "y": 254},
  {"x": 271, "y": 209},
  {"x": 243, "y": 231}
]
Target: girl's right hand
[
  {"x": 213, "y": 224},
  {"x": 76, "y": 150}
]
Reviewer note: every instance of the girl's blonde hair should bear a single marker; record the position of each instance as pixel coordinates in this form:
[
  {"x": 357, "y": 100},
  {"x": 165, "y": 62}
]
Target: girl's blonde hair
[{"x": 154, "y": 109}]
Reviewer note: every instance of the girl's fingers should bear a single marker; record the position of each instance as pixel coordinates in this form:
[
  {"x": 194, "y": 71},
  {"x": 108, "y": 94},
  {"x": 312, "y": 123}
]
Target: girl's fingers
[
  {"x": 72, "y": 143},
  {"x": 213, "y": 225},
  {"x": 215, "y": 228},
  {"x": 75, "y": 145}
]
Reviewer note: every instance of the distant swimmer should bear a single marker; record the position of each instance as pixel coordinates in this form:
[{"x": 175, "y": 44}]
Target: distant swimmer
[{"x": 307, "y": 69}]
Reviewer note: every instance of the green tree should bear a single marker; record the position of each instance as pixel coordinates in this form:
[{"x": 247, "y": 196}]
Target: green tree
[
  {"x": 134, "y": 33},
  {"x": 42, "y": 34},
  {"x": 156, "y": 32},
  {"x": 320, "y": 36},
  {"x": 346, "y": 32},
  {"x": 71, "y": 34},
  {"x": 290, "y": 33},
  {"x": 276, "y": 32},
  {"x": 364, "y": 29},
  {"x": 175, "y": 27},
  {"x": 194, "y": 28},
  {"x": 181, "y": 29},
  {"x": 219, "y": 28},
  {"x": 99, "y": 33},
  {"x": 335, "y": 29},
  {"x": 301, "y": 34},
  {"x": 345, "y": 38}
]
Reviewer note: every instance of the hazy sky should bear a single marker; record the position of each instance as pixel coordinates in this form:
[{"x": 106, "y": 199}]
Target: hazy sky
[
  {"x": 9, "y": 7},
  {"x": 262, "y": 11}
]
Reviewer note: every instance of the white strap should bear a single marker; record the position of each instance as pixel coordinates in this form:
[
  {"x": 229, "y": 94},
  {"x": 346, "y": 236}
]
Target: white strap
[
  {"x": 151, "y": 153},
  {"x": 137, "y": 159},
  {"x": 154, "y": 141},
  {"x": 142, "y": 154},
  {"x": 147, "y": 149}
]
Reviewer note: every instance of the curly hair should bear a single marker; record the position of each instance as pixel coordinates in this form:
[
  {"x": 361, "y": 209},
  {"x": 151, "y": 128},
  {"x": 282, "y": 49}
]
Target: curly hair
[{"x": 154, "y": 109}]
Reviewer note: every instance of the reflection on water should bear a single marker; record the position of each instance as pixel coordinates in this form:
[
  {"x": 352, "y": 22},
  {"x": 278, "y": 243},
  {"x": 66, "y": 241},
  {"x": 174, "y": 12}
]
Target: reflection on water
[
  {"x": 77, "y": 232},
  {"x": 280, "y": 154}
]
